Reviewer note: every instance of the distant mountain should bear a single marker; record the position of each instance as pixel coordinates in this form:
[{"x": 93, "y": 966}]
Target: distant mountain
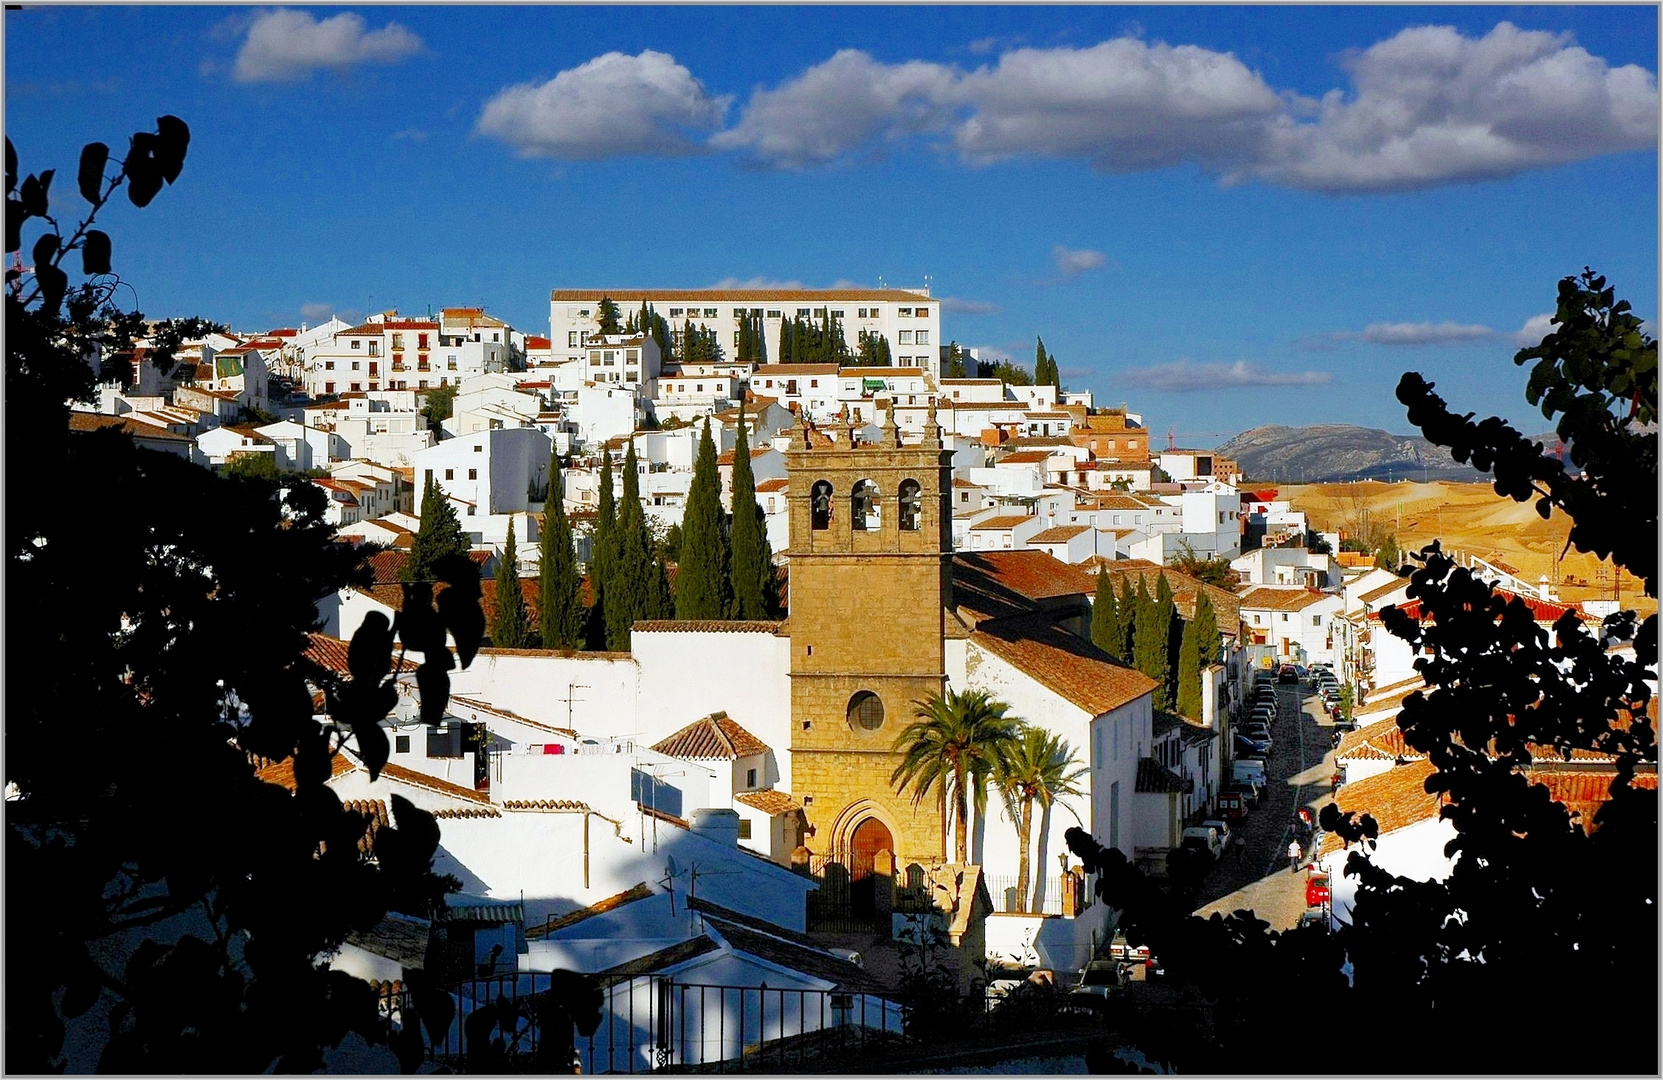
[{"x": 1333, "y": 452}]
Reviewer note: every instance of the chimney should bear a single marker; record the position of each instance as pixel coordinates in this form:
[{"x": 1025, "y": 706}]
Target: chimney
[{"x": 721, "y": 826}]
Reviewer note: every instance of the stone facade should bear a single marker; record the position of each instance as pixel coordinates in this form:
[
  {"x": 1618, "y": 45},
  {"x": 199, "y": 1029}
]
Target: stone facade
[{"x": 871, "y": 586}]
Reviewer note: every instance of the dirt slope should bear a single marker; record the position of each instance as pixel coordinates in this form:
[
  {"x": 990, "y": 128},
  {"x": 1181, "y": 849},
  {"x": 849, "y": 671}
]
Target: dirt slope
[{"x": 1470, "y": 518}]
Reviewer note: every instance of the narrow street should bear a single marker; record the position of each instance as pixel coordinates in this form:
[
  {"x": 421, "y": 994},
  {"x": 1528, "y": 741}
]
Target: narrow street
[{"x": 1297, "y": 773}]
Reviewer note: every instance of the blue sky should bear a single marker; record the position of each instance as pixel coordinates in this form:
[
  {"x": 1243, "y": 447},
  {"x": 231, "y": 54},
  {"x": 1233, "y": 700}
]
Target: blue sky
[{"x": 1222, "y": 216}]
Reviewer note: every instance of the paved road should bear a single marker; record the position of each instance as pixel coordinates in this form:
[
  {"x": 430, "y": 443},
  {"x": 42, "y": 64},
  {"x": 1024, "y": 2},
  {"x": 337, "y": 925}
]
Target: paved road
[{"x": 1297, "y": 772}]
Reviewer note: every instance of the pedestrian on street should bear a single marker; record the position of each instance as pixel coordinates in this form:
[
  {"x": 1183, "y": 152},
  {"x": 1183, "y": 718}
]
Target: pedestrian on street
[
  {"x": 1238, "y": 847},
  {"x": 1295, "y": 855}
]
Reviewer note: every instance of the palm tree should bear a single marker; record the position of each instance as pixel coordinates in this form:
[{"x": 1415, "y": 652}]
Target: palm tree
[
  {"x": 957, "y": 741},
  {"x": 1040, "y": 768}
]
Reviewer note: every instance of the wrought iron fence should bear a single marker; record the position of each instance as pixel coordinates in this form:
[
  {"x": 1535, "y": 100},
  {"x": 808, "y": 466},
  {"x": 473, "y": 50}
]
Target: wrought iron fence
[
  {"x": 651, "y": 1023},
  {"x": 1006, "y": 898}
]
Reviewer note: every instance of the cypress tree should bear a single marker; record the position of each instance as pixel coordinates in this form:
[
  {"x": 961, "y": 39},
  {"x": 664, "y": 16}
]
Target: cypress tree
[
  {"x": 753, "y": 562},
  {"x": 1208, "y": 641},
  {"x": 630, "y": 582},
  {"x": 1039, "y": 360},
  {"x": 1127, "y": 614},
  {"x": 1056, "y": 375},
  {"x": 1174, "y": 634},
  {"x": 440, "y": 534},
  {"x": 785, "y": 356},
  {"x": 1105, "y": 620},
  {"x": 1150, "y": 649},
  {"x": 702, "y": 576},
  {"x": 603, "y": 555},
  {"x": 510, "y": 621},
  {"x": 607, "y": 316},
  {"x": 661, "y": 603},
  {"x": 1189, "y": 671},
  {"x": 559, "y": 606}
]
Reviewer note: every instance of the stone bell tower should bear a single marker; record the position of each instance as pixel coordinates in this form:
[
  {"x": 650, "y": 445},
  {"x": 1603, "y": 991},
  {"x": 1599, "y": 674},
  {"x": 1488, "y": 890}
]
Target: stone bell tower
[{"x": 871, "y": 583}]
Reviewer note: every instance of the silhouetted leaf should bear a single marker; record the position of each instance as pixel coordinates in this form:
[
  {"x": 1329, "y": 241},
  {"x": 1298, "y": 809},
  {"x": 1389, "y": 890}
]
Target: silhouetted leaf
[
  {"x": 371, "y": 652},
  {"x": 418, "y": 829},
  {"x": 364, "y": 704},
  {"x": 53, "y": 284},
  {"x": 11, "y": 166},
  {"x": 418, "y": 624},
  {"x": 34, "y": 194},
  {"x": 14, "y": 224},
  {"x": 433, "y": 682},
  {"x": 45, "y": 248},
  {"x": 144, "y": 175},
  {"x": 95, "y": 253},
  {"x": 81, "y": 992},
  {"x": 173, "y": 138},
  {"x": 465, "y": 620},
  {"x": 373, "y": 747},
  {"x": 94, "y": 156},
  {"x": 435, "y": 1006}
]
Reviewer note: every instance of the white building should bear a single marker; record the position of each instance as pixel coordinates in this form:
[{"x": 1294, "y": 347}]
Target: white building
[
  {"x": 909, "y": 319},
  {"x": 491, "y": 476}
]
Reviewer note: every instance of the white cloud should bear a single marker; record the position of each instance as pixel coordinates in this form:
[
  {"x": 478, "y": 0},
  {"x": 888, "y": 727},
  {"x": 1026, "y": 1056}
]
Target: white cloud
[
  {"x": 1187, "y": 376},
  {"x": 1431, "y": 106},
  {"x": 1427, "y": 106},
  {"x": 1424, "y": 333},
  {"x": 1070, "y": 263},
  {"x": 409, "y": 135},
  {"x": 286, "y": 46},
  {"x": 317, "y": 313},
  {"x": 954, "y": 305},
  {"x": 851, "y": 103},
  {"x": 1533, "y": 331},
  {"x": 612, "y": 106},
  {"x": 735, "y": 284},
  {"x": 1121, "y": 104}
]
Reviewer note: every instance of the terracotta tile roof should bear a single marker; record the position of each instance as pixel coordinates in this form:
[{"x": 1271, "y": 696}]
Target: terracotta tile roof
[
  {"x": 1263, "y": 599},
  {"x": 282, "y": 773},
  {"x": 474, "y": 707},
  {"x": 726, "y": 456},
  {"x": 996, "y": 584},
  {"x": 971, "y": 382},
  {"x": 795, "y": 369},
  {"x": 679, "y": 953},
  {"x": 776, "y": 948},
  {"x": 636, "y": 892},
  {"x": 770, "y": 802},
  {"x": 546, "y": 804},
  {"x": 714, "y": 736},
  {"x": 1059, "y": 534},
  {"x": 84, "y": 421},
  {"x": 1064, "y": 663},
  {"x": 780, "y": 484},
  {"x": 1155, "y": 778},
  {"x": 1379, "y": 741},
  {"x": 538, "y": 343},
  {"x": 1002, "y": 521},
  {"x": 331, "y": 653},
  {"x": 879, "y": 372},
  {"x": 375, "y": 811},
  {"x": 530, "y": 588},
  {"x": 1396, "y": 799},
  {"x": 1584, "y": 791},
  {"x": 470, "y": 812},
  {"x": 432, "y": 783},
  {"x": 674, "y": 296},
  {"x": 706, "y": 626},
  {"x": 397, "y": 937},
  {"x": 1024, "y": 457},
  {"x": 961, "y": 482},
  {"x": 1385, "y": 590}
]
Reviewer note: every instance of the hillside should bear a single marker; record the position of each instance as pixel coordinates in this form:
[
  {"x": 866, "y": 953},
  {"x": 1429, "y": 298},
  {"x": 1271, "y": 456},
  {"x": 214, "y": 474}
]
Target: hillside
[
  {"x": 1329, "y": 452},
  {"x": 1468, "y": 517}
]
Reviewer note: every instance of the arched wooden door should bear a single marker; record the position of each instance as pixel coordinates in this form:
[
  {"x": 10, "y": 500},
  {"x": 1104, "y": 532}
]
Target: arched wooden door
[{"x": 869, "y": 838}]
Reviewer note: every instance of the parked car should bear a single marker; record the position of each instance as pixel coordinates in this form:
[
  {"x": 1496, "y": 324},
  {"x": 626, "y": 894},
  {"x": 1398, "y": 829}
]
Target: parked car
[
  {"x": 1223, "y": 828},
  {"x": 1300, "y": 670},
  {"x": 1100, "y": 979},
  {"x": 1205, "y": 838},
  {"x": 1233, "y": 803},
  {"x": 1247, "y": 746},
  {"x": 1243, "y": 790},
  {"x": 1287, "y": 674}
]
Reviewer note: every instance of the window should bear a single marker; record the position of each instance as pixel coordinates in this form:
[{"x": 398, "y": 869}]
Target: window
[
  {"x": 632, "y": 356},
  {"x": 401, "y": 744},
  {"x": 744, "y": 834},
  {"x": 571, "y": 339},
  {"x": 923, "y": 337},
  {"x": 450, "y": 474},
  {"x": 750, "y": 778},
  {"x": 470, "y": 511},
  {"x": 444, "y": 743},
  {"x": 905, "y": 337},
  {"x": 1316, "y": 620},
  {"x": 675, "y": 313},
  {"x": 329, "y": 365},
  {"x": 1284, "y": 616},
  {"x": 819, "y": 313},
  {"x": 477, "y": 447},
  {"x": 421, "y": 341},
  {"x": 860, "y": 313},
  {"x": 905, "y": 312},
  {"x": 739, "y": 313},
  {"x": 773, "y": 314},
  {"x": 329, "y": 388},
  {"x": 802, "y": 312},
  {"x": 820, "y": 511},
  {"x": 355, "y": 365},
  {"x": 912, "y": 503},
  {"x": 866, "y": 710},
  {"x": 710, "y": 313},
  {"x": 863, "y": 507},
  {"x": 356, "y": 387},
  {"x": 375, "y": 348},
  {"x": 837, "y": 314},
  {"x": 421, "y": 385},
  {"x": 398, "y": 341},
  {"x": 473, "y": 474},
  {"x": 357, "y": 344},
  {"x": 736, "y": 339},
  {"x": 922, "y": 313}
]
